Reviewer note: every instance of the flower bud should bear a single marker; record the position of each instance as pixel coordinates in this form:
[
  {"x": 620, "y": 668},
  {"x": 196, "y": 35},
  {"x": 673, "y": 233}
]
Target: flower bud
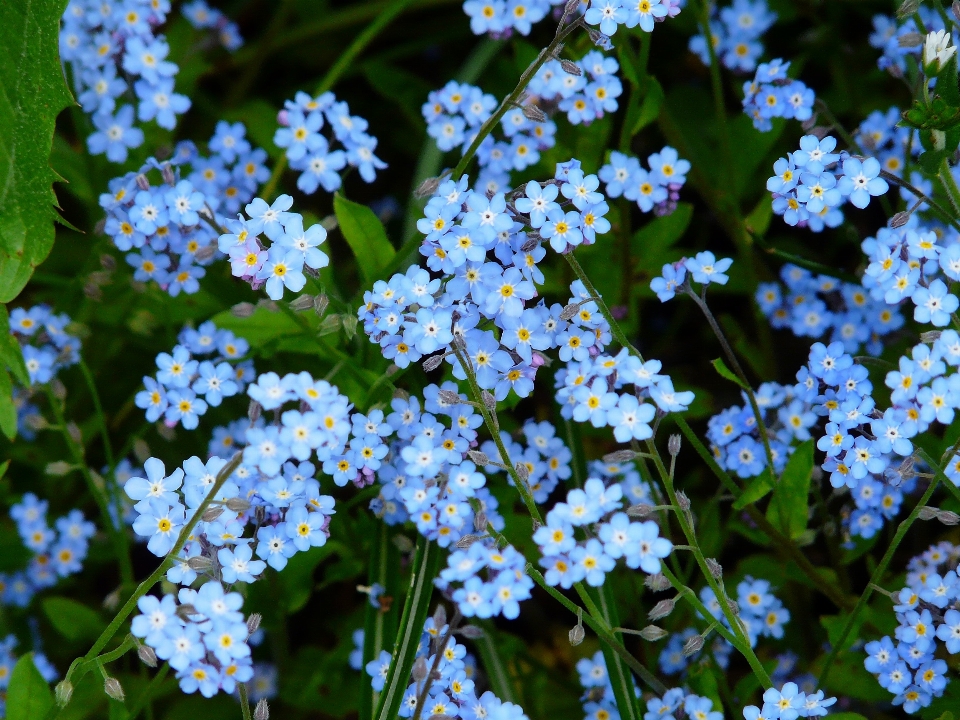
[
  {"x": 419, "y": 672},
  {"x": 242, "y": 310},
  {"x": 237, "y": 505},
  {"x": 900, "y": 219},
  {"x": 253, "y": 411},
  {"x": 200, "y": 563},
  {"x": 910, "y": 40},
  {"x": 673, "y": 445},
  {"x": 534, "y": 113},
  {"x": 523, "y": 471},
  {"x": 662, "y": 609},
  {"x": 403, "y": 543},
  {"x": 304, "y": 302},
  {"x": 63, "y": 692},
  {"x": 571, "y": 68},
  {"x": 955, "y": 7},
  {"x": 471, "y": 632},
  {"x": 141, "y": 450},
  {"x": 693, "y": 645},
  {"x": 142, "y": 182},
  {"x": 74, "y": 430},
  {"x": 569, "y": 311},
  {"x": 58, "y": 469},
  {"x": 480, "y": 521},
  {"x": 111, "y": 601},
  {"x": 108, "y": 262},
  {"x": 657, "y": 582},
  {"x": 948, "y": 517},
  {"x": 212, "y": 513},
  {"x": 653, "y": 633},
  {"x": 683, "y": 501},
  {"x": 488, "y": 400},
  {"x": 448, "y": 397},
  {"x": 715, "y": 568},
  {"x": 427, "y": 188},
  {"x": 907, "y": 8},
  {"x": 927, "y": 513},
  {"x": 432, "y": 362},
  {"x": 205, "y": 253},
  {"x": 439, "y": 617},
  {"x": 262, "y": 711},
  {"x": 113, "y": 688},
  {"x": 466, "y": 541},
  {"x": 619, "y": 456},
  {"x": 147, "y": 656},
  {"x": 478, "y": 457},
  {"x": 576, "y": 634},
  {"x": 639, "y": 510},
  {"x": 185, "y": 611},
  {"x": 253, "y": 623},
  {"x": 931, "y": 336}
]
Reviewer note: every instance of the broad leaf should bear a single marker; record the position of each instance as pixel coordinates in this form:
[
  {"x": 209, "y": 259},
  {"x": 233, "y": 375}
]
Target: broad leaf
[
  {"x": 366, "y": 236},
  {"x": 72, "y": 619},
  {"x": 790, "y": 495},
  {"x": 28, "y": 696},
  {"x": 32, "y": 94}
]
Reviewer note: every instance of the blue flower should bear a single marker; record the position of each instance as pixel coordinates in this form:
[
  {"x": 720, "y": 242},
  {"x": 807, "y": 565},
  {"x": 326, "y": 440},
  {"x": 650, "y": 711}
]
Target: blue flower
[{"x": 705, "y": 268}]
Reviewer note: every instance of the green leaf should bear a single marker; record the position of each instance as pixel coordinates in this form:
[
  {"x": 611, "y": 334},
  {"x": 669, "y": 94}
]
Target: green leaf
[
  {"x": 661, "y": 233},
  {"x": 8, "y": 411},
  {"x": 366, "y": 236},
  {"x": 14, "y": 555},
  {"x": 32, "y": 94},
  {"x": 850, "y": 716},
  {"x": 790, "y": 495},
  {"x": 757, "y": 488},
  {"x": 721, "y": 367},
  {"x": 947, "y": 83},
  {"x": 650, "y": 108},
  {"x": 380, "y": 623},
  {"x": 71, "y": 619},
  {"x": 11, "y": 356},
  {"x": 29, "y": 696}
]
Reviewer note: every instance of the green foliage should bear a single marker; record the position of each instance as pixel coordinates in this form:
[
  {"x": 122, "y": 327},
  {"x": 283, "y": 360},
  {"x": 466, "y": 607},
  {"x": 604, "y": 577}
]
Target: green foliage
[
  {"x": 73, "y": 620},
  {"x": 366, "y": 236},
  {"x": 32, "y": 94},
  {"x": 28, "y": 696},
  {"x": 788, "y": 508}
]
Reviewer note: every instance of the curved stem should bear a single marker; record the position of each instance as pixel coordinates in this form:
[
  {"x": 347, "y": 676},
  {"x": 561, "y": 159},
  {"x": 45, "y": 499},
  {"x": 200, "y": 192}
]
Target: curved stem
[{"x": 244, "y": 701}]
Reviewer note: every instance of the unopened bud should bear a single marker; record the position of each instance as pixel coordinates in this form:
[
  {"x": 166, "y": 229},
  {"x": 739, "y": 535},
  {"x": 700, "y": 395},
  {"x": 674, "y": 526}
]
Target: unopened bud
[
  {"x": 432, "y": 362},
  {"x": 683, "y": 501},
  {"x": 693, "y": 645},
  {"x": 448, "y": 397},
  {"x": 403, "y": 543},
  {"x": 571, "y": 6},
  {"x": 63, "y": 692},
  {"x": 242, "y": 310},
  {"x": 907, "y": 8},
  {"x": 304, "y": 302},
  {"x": 571, "y": 68},
  {"x": 253, "y": 623},
  {"x": 673, "y": 445},
  {"x": 427, "y": 188},
  {"x": 900, "y": 219},
  {"x": 320, "y": 303},
  {"x": 576, "y": 634},
  {"x": 262, "y": 710},
  {"x": 212, "y": 513},
  {"x": 488, "y": 400},
  {"x": 166, "y": 172},
  {"x": 480, "y": 521},
  {"x": 910, "y": 40},
  {"x": 662, "y": 609},
  {"x": 253, "y": 411},
  {"x": 58, "y": 469},
  {"x": 657, "y": 582},
  {"x": 237, "y": 505},
  {"x": 955, "y": 7},
  {"x": 419, "y": 672},
  {"x": 927, "y": 513},
  {"x": 200, "y": 563},
  {"x": 58, "y": 389},
  {"x": 931, "y": 336},
  {"x": 471, "y": 632},
  {"x": 141, "y": 450},
  {"x": 113, "y": 688},
  {"x": 569, "y": 311},
  {"x": 147, "y": 656},
  {"x": 329, "y": 223},
  {"x": 466, "y": 541},
  {"x": 142, "y": 182},
  {"x": 652, "y": 633},
  {"x": 186, "y": 611},
  {"x": 619, "y": 456},
  {"x": 523, "y": 471},
  {"x": 75, "y": 433},
  {"x": 639, "y": 510},
  {"x": 111, "y": 601},
  {"x": 441, "y": 716},
  {"x": 439, "y": 617},
  {"x": 480, "y": 458},
  {"x": 532, "y": 112},
  {"x": 36, "y": 422},
  {"x": 948, "y": 517},
  {"x": 108, "y": 262},
  {"x": 715, "y": 568},
  {"x": 205, "y": 253}
]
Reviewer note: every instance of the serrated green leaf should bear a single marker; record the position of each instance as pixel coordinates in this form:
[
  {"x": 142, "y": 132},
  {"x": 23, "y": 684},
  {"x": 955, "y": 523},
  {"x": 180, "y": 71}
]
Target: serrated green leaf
[
  {"x": 366, "y": 236},
  {"x": 28, "y": 696},
  {"x": 71, "y": 619},
  {"x": 721, "y": 367},
  {"x": 32, "y": 94},
  {"x": 790, "y": 495}
]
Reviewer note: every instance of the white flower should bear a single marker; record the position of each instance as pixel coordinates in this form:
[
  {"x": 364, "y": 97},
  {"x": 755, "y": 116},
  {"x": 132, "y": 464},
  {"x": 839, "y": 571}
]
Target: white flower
[{"x": 937, "y": 49}]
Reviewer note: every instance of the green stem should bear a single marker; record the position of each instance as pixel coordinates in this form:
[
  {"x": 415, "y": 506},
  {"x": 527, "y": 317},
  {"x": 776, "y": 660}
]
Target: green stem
[
  {"x": 950, "y": 185},
  {"x": 877, "y": 577},
  {"x": 82, "y": 665},
  {"x": 513, "y": 98},
  {"x": 716, "y": 83},
  {"x": 98, "y": 408},
  {"x": 496, "y": 671},
  {"x": 147, "y": 695},
  {"x": 120, "y": 542},
  {"x": 384, "y": 18},
  {"x": 244, "y": 701}
]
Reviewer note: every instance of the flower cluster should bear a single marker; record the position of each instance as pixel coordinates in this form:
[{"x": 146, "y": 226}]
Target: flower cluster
[
  {"x": 184, "y": 387},
  {"x": 610, "y": 535},
  {"x": 584, "y": 90},
  {"x": 203, "y": 17},
  {"x": 704, "y": 268},
  {"x": 916, "y": 263},
  {"x": 676, "y": 655},
  {"x": 450, "y": 691},
  {"x": 46, "y": 345},
  {"x": 506, "y": 584},
  {"x": 281, "y": 264},
  {"x": 109, "y": 47},
  {"x": 811, "y": 184},
  {"x": 499, "y": 18},
  {"x": 734, "y": 434},
  {"x": 735, "y": 33},
  {"x": 201, "y": 633},
  {"x": 168, "y": 229},
  {"x": 310, "y": 151},
  {"x": 57, "y": 553},
  {"x": 822, "y": 307},
  {"x": 926, "y": 609},
  {"x": 773, "y": 94},
  {"x": 608, "y": 15},
  {"x": 656, "y": 189},
  {"x": 789, "y": 703},
  {"x": 882, "y": 136},
  {"x": 761, "y": 612},
  {"x": 893, "y": 37}
]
